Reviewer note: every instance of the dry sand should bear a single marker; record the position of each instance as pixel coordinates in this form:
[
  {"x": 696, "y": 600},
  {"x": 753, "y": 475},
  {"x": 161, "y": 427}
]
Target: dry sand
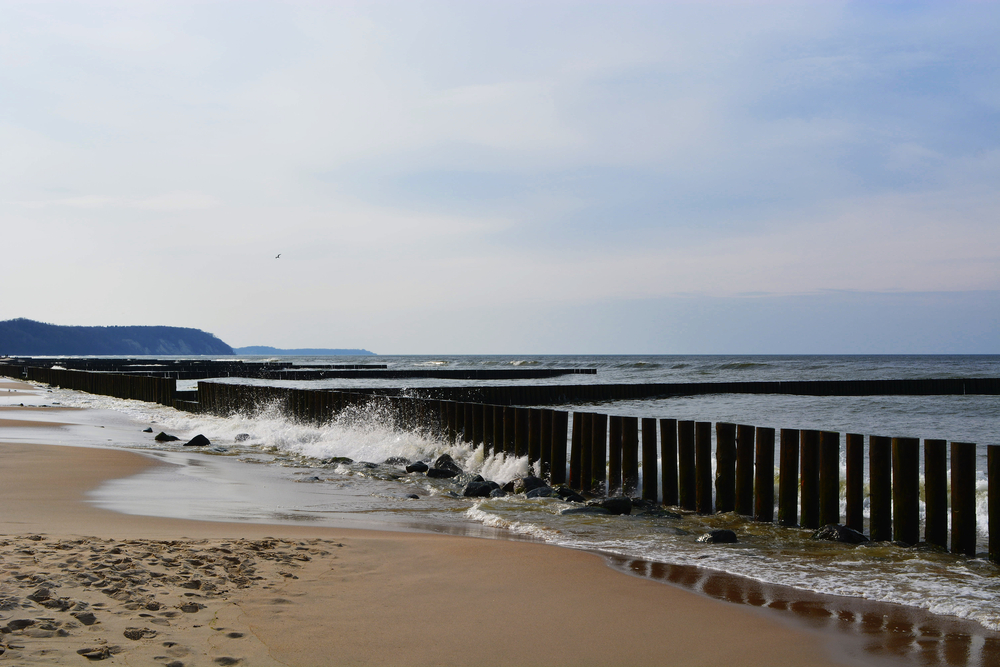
[{"x": 79, "y": 583}]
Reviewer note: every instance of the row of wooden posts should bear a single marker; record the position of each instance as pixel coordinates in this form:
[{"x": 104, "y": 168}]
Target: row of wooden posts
[
  {"x": 675, "y": 462},
  {"x": 119, "y": 385}
]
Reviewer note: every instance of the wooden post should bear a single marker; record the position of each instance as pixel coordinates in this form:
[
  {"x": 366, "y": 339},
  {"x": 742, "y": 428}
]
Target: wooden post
[
  {"x": 576, "y": 451},
  {"x": 650, "y": 479},
  {"x": 599, "y": 455},
  {"x": 763, "y": 481},
  {"x": 880, "y": 487},
  {"x": 468, "y": 422},
  {"x": 545, "y": 419},
  {"x": 936, "y": 492},
  {"x": 477, "y": 424},
  {"x": 668, "y": 461},
  {"x": 703, "y": 466},
  {"x": 744, "y": 469},
  {"x": 452, "y": 409},
  {"x": 829, "y": 478},
  {"x": 614, "y": 455},
  {"x": 630, "y": 456},
  {"x": 520, "y": 432},
  {"x": 560, "y": 423},
  {"x": 487, "y": 430},
  {"x": 725, "y": 467},
  {"x": 587, "y": 452},
  {"x": 498, "y": 411},
  {"x": 788, "y": 478},
  {"x": 809, "y": 460},
  {"x": 686, "y": 477},
  {"x": 534, "y": 438},
  {"x": 906, "y": 490},
  {"x": 993, "y": 506},
  {"x": 963, "y": 498},
  {"x": 855, "y": 481},
  {"x": 509, "y": 446}
]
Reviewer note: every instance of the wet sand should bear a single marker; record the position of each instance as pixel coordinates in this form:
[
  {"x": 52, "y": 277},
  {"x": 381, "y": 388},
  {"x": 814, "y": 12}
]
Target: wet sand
[{"x": 77, "y": 581}]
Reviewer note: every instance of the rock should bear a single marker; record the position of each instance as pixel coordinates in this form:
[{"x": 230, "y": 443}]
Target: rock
[
  {"x": 542, "y": 492},
  {"x": 526, "y": 484},
  {"x": 413, "y": 496},
  {"x": 476, "y": 489},
  {"x": 336, "y": 460},
  {"x": 720, "y": 536},
  {"x": 198, "y": 441},
  {"x": 191, "y": 607},
  {"x": 85, "y": 617},
  {"x": 586, "y": 509},
  {"x": 498, "y": 493},
  {"x": 163, "y": 437},
  {"x": 396, "y": 461},
  {"x": 569, "y": 495},
  {"x": 441, "y": 473},
  {"x": 836, "y": 532},
  {"x": 418, "y": 466},
  {"x": 147, "y": 430},
  {"x": 445, "y": 462},
  {"x": 242, "y": 437},
  {"x": 616, "y": 505},
  {"x": 508, "y": 487}
]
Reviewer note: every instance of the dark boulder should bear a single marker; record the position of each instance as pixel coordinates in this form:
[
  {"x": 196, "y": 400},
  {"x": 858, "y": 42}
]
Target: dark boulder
[
  {"x": 163, "y": 437},
  {"x": 508, "y": 487},
  {"x": 835, "y": 532},
  {"x": 19, "y": 624},
  {"x": 530, "y": 483},
  {"x": 412, "y": 496},
  {"x": 569, "y": 495},
  {"x": 396, "y": 461},
  {"x": 147, "y": 430},
  {"x": 477, "y": 490},
  {"x": 542, "y": 492},
  {"x": 616, "y": 505},
  {"x": 198, "y": 441},
  {"x": 720, "y": 536},
  {"x": 85, "y": 617},
  {"x": 242, "y": 437},
  {"x": 336, "y": 460},
  {"x": 498, "y": 493},
  {"x": 441, "y": 473},
  {"x": 417, "y": 466},
  {"x": 445, "y": 462}
]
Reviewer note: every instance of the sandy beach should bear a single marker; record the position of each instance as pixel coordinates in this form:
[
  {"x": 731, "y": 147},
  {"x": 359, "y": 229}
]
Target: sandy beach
[{"x": 79, "y": 583}]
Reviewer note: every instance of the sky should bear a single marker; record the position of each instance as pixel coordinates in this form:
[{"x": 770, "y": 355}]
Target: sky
[{"x": 506, "y": 177}]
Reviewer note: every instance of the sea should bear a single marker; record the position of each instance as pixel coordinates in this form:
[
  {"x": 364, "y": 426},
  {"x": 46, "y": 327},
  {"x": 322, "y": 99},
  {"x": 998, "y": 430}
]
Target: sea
[{"x": 266, "y": 467}]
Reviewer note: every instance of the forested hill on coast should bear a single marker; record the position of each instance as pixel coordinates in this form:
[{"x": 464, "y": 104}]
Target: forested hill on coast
[{"x": 29, "y": 338}]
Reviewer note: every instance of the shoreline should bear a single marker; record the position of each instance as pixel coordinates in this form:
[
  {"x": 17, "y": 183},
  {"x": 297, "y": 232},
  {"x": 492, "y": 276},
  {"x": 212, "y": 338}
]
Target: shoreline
[
  {"x": 824, "y": 629},
  {"x": 365, "y": 597}
]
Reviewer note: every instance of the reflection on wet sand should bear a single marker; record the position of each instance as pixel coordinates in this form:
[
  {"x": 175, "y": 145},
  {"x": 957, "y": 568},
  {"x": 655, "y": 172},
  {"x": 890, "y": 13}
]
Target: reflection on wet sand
[{"x": 882, "y": 630}]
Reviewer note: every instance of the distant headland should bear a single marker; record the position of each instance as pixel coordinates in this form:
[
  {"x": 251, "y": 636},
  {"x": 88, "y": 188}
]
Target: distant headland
[
  {"x": 30, "y": 338},
  {"x": 259, "y": 350}
]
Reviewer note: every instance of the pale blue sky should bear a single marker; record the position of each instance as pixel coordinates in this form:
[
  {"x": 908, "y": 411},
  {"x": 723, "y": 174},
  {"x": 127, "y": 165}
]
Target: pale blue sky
[{"x": 508, "y": 177}]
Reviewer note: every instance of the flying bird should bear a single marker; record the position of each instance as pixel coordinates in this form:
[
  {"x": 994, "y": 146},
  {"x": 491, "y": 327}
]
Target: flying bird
[{"x": 277, "y": 256}]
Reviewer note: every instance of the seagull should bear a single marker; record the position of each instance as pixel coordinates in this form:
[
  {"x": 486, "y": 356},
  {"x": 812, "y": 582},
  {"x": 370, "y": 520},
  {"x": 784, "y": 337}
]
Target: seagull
[{"x": 277, "y": 256}]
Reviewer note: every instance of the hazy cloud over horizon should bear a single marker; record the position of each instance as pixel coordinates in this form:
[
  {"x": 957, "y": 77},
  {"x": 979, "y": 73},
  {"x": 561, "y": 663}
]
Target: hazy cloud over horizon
[{"x": 508, "y": 177}]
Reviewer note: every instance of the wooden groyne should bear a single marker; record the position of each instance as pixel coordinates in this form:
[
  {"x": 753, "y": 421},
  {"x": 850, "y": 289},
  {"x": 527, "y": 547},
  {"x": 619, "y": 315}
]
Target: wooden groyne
[{"x": 603, "y": 455}]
